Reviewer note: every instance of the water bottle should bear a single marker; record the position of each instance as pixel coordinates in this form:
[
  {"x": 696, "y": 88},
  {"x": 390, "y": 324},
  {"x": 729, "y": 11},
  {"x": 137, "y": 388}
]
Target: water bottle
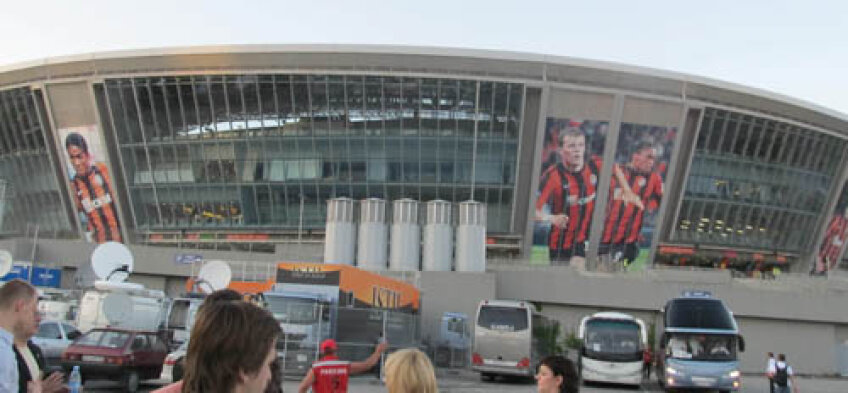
[{"x": 75, "y": 381}]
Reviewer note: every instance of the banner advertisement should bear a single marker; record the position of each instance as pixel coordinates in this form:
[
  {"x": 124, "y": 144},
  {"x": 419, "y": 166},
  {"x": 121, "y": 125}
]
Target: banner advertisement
[
  {"x": 565, "y": 200},
  {"x": 642, "y": 157},
  {"x": 91, "y": 183},
  {"x": 827, "y": 257}
]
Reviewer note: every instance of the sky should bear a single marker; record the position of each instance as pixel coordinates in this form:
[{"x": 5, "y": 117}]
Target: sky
[{"x": 796, "y": 48}]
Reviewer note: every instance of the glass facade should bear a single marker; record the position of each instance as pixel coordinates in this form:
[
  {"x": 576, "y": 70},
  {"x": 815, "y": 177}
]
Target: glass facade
[
  {"x": 756, "y": 183},
  {"x": 29, "y": 191},
  {"x": 267, "y": 151}
]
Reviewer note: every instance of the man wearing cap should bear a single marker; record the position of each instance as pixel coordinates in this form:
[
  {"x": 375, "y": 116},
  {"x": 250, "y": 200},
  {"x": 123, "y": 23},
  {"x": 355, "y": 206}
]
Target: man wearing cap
[{"x": 330, "y": 374}]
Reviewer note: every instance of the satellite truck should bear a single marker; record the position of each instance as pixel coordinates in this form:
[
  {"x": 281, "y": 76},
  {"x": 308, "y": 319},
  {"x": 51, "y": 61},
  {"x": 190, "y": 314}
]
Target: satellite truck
[
  {"x": 116, "y": 303},
  {"x": 181, "y": 311}
]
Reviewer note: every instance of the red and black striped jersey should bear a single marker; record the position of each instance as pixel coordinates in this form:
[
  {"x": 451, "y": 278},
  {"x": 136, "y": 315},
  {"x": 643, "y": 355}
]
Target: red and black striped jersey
[
  {"x": 94, "y": 197},
  {"x": 624, "y": 221},
  {"x": 834, "y": 238},
  {"x": 572, "y": 194}
]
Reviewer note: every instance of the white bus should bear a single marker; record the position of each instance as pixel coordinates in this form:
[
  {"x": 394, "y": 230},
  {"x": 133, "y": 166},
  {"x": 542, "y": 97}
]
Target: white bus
[
  {"x": 510, "y": 338},
  {"x": 612, "y": 347}
]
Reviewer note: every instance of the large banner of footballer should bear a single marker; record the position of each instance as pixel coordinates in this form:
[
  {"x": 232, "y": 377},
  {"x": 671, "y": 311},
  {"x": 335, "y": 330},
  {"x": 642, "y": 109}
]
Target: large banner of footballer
[
  {"x": 827, "y": 256},
  {"x": 568, "y": 180},
  {"x": 636, "y": 190}
]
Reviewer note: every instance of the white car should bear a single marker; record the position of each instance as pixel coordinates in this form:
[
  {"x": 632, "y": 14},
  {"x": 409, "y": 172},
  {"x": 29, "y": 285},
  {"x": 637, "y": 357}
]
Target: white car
[
  {"x": 172, "y": 368},
  {"x": 53, "y": 337}
]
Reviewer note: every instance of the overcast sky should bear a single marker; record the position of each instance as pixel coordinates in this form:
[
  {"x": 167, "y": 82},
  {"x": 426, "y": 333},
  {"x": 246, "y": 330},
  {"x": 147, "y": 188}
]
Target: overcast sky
[{"x": 797, "y": 48}]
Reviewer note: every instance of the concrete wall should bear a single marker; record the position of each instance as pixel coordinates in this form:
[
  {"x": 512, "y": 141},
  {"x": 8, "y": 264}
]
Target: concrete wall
[
  {"x": 451, "y": 291},
  {"x": 805, "y": 319}
]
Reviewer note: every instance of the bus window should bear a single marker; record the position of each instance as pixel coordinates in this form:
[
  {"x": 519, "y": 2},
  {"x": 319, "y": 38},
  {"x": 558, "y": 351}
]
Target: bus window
[{"x": 509, "y": 319}]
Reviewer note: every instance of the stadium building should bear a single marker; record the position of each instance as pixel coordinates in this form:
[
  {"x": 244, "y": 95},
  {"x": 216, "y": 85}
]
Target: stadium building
[{"x": 216, "y": 152}]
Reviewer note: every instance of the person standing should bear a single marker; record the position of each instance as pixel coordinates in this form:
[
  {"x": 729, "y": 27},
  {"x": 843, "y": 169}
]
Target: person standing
[
  {"x": 770, "y": 366},
  {"x": 783, "y": 376},
  {"x": 330, "y": 374},
  {"x": 18, "y": 312},
  {"x": 647, "y": 362},
  {"x": 31, "y": 364}
]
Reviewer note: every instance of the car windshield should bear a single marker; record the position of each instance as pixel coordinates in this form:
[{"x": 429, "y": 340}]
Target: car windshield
[
  {"x": 104, "y": 338},
  {"x": 718, "y": 347}
]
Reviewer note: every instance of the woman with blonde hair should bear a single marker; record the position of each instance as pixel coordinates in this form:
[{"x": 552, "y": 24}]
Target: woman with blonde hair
[{"x": 410, "y": 371}]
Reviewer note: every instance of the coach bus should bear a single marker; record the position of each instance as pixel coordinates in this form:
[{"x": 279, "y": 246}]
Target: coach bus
[
  {"x": 612, "y": 345},
  {"x": 510, "y": 338},
  {"x": 699, "y": 345}
]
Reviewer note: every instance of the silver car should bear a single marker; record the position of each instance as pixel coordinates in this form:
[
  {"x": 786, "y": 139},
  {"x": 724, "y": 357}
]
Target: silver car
[{"x": 53, "y": 337}]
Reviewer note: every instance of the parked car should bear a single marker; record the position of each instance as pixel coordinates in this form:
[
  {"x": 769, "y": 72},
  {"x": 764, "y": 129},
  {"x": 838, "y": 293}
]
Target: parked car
[
  {"x": 172, "y": 369},
  {"x": 53, "y": 337},
  {"x": 109, "y": 353}
]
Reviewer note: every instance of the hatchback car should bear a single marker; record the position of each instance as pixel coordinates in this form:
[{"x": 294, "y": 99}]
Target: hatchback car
[{"x": 112, "y": 354}]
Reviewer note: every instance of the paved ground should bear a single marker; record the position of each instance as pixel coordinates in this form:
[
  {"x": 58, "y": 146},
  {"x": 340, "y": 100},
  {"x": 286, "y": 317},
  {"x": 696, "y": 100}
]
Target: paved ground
[{"x": 466, "y": 382}]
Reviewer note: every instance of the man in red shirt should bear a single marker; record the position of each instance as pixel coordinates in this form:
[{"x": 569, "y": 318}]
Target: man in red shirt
[{"x": 330, "y": 374}]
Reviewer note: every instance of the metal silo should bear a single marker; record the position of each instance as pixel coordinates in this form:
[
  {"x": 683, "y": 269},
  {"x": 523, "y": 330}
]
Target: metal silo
[
  {"x": 471, "y": 237},
  {"x": 340, "y": 239},
  {"x": 405, "y": 247},
  {"x": 371, "y": 254},
  {"x": 438, "y": 237}
]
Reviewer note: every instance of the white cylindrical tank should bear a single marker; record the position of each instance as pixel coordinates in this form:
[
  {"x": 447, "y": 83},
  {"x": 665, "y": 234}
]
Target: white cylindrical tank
[
  {"x": 471, "y": 237},
  {"x": 405, "y": 247},
  {"x": 438, "y": 237},
  {"x": 371, "y": 254},
  {"x": 340, "y": 238}
]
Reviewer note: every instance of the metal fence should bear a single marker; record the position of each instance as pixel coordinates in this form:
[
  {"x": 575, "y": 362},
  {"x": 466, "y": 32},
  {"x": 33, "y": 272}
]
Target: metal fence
[{"x": 357, "y": 332}]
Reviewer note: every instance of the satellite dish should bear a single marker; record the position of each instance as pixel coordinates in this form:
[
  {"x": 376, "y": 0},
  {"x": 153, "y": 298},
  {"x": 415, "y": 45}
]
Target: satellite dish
[
  {"x": 214, "y": 275},
  {"x": 112, "y": 261},
  {"x": 117, "y": 308},
  {"x": 5, "y": 262}
]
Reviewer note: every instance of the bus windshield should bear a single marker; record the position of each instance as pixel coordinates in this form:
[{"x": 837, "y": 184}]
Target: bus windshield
[
  {"x": 507, "y": 319},
  {"x": 293, "y": 310},
  {"x": 613, "y": 340},
  {"x": 696, "y": 346}
]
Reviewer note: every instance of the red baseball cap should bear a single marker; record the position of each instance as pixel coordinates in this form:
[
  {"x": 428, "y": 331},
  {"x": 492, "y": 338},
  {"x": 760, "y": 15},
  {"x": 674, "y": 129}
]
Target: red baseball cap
[{"x": 328, "y": 344}]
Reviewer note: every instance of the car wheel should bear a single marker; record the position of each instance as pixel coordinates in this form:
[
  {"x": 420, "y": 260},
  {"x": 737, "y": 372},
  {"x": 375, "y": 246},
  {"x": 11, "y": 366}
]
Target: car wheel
[
  {"x": 131, "y": 380},
  {"x": 486, "y": 377}
]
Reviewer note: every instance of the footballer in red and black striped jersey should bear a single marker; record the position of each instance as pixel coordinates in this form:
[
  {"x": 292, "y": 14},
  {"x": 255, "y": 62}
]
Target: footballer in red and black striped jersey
[
  {"x": 567, "y": 193},
  {"x": 642, "y": 154}
]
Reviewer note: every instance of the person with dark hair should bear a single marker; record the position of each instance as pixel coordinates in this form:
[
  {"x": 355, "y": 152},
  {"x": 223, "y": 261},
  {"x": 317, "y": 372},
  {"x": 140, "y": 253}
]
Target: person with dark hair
[
  {"x": 232, "y": 346},
  {"x": 623, "y": 223},
  {"x": 770, "y": 366},
  {"x": 18, "y": 315},
  {"x": 227, "y": 295},
  {"x": 93, "y": 194},
  {"x": 783, "y": 376},
  {"x": 557, "y": 374},
  {"x": 330, "y": 374}
]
